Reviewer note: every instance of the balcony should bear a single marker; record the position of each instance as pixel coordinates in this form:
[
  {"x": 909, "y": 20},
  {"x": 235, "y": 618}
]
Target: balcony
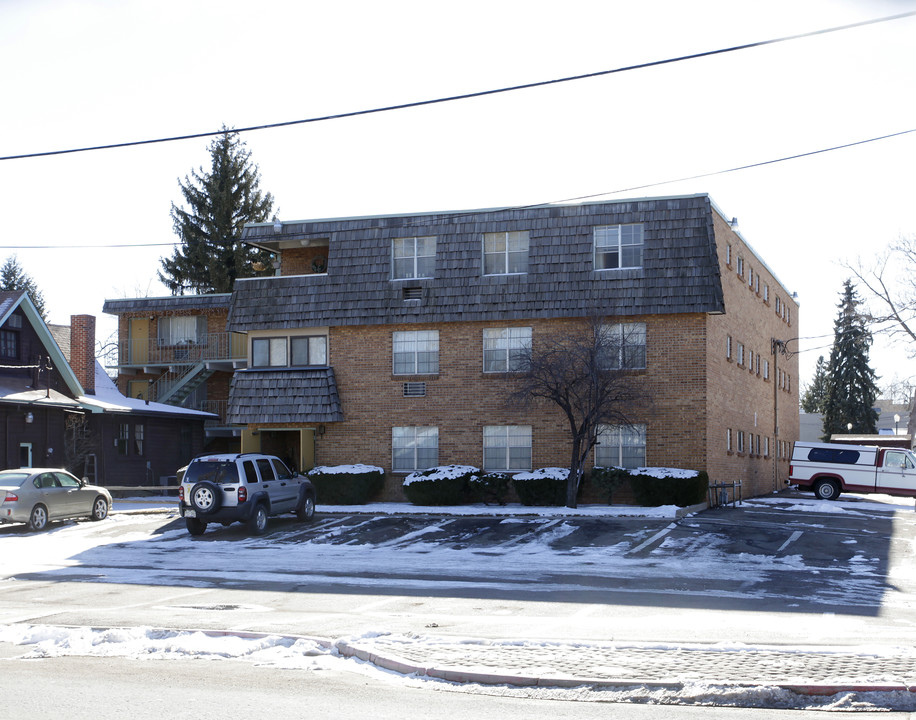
[{"x": 218, "y": 351}]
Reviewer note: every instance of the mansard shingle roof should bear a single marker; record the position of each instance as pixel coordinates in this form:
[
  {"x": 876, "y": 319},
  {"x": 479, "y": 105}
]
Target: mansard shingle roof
[
  {"x": 680, "y": 272},
  {"x": 284, "y": 396},
  {"x": 172, "y": 303}
]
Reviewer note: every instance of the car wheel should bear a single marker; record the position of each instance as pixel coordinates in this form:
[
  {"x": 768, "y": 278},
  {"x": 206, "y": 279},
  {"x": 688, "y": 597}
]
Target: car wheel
[
  {"x": 38, "y": 520},
  {"x": 827, "y": 490},
  {"x": 99, "y": 509},
  {"x": 306, "y": 511},
  {"x": 205, "y": 497},
  {"x": 195, "y": 526},
  {"x": 257, "y": 524}
]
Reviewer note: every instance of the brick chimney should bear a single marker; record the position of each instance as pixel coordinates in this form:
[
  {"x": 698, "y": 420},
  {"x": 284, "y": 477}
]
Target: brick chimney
[{"x": 82, "y": 350}]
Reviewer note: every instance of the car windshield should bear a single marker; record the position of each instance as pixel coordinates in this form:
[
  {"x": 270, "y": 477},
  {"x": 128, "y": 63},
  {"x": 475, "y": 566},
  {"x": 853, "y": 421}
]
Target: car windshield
[
  {"x": 218, "y": 471},
  {"x": 13, "y": 479}
]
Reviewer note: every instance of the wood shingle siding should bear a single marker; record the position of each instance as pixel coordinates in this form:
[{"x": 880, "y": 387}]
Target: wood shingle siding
[
  {"x": 284, "y": 396},
  {"x": 679, "y": 273}
]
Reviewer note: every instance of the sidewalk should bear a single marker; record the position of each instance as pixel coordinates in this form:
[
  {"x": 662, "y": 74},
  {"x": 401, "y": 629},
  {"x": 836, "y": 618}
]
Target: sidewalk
[{"x": 810, "y": 671}]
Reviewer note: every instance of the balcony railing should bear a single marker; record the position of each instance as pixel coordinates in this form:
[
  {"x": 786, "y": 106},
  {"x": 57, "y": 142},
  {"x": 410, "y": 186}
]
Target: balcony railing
[{"x": 144, "y": 352}]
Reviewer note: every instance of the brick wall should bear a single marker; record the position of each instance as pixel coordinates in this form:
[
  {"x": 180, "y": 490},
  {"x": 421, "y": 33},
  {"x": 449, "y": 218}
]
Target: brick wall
[{"x": 82, "y": 350}]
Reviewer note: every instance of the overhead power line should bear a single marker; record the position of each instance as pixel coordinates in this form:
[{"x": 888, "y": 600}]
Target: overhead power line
[{"x": 468, "y": 96}]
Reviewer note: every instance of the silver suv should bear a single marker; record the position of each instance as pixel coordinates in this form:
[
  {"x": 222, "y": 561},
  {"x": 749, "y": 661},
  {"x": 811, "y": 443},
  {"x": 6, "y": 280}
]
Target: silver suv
[{"x": 242, "y": 487}]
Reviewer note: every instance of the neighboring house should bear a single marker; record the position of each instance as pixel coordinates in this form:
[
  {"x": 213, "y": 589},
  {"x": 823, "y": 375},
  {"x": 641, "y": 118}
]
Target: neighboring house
[
  {"x": 175, "y": 350},
  {"x": 389, "y": 340},
  {"x": 60, "y": 409}
]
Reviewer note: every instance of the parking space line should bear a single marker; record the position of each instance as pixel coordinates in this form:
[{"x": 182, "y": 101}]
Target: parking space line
[
  {"x": 792, "y": 538},
  {"x": 659, "y": 535}
]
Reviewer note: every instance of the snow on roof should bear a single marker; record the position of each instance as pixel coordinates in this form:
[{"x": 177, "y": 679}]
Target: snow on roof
[{"x": 108, "y": 398}]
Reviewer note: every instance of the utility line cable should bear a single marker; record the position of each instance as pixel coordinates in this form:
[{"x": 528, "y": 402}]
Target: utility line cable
[{"x": 482, "y": 93}]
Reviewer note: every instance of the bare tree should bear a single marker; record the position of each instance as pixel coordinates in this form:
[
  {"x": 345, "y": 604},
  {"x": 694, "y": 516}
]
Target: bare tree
[
  {"x": 587, "y": 374},
  {"x": 889, "y": 278}
]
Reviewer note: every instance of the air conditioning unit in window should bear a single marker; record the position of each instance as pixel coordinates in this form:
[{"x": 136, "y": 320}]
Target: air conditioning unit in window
[{"x": 415, "y": 389}]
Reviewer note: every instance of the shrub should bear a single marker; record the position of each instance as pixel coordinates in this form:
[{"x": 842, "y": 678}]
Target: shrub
[
  {"x": 608, "y": 479},
  {"x": 669, "y": 486},
  {"x": 346, "y": 484},
  {"x": 443, "y": 485},
  {"x": 545, "y": 486},
  {"x": 490, "y": 487}
]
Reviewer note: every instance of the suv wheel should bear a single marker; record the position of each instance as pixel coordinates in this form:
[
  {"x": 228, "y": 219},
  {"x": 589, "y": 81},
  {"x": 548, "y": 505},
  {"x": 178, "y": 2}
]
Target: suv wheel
[
  {"x": 195, "y": 526},
  {"x": 257, "y": 524},
  {"x": 205, "y": 497},
  {"x": 306, "y": 509}
]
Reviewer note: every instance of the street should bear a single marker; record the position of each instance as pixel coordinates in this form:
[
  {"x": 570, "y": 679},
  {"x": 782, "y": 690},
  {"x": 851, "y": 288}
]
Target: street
[{"x": 786, "y": 571}]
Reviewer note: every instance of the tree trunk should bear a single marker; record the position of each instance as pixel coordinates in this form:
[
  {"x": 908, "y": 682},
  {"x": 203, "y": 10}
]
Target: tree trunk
[{"x": 572, "y": 482}]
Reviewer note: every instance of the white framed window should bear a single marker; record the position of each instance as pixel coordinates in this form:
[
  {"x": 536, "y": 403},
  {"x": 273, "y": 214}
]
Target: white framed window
[
  {"x": 766, "y": 446},
  {"x": 618, "y": 246},
  {"x": 415, "y": 352},
  {"x": 740, "y": 353},
  {"x": 504, "y": 349},
  {"x": 269, "y": 352},
  {"x": 766, "y": 369},
  {"x": 757, "y": 283},
  {"x": 728, "y": 347},
  {"x": 413, "y": 257},
  {"x": 750, "y": 360},
  {"x": 621, "y": 446},
  {"x": 414, "y": 448},
  {"x": 741, "y": 441},
  {"x": 295, "y": 351},
  {"x": 728, "y": 254},
  {"x": 728, "y": 440},
  {"x": 507, "y": 447},
  {"x": 182, "y": 330},
  {"x": 766, "y": 293},
  {"x": 740, "y": 266},
  {"x": 750, "y": 277},
  {"x": 505, "y": 253},
  {"x": 625, "y": 344}
]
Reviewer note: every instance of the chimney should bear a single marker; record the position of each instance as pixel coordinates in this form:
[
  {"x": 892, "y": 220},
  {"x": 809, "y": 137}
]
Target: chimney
[{"x": 82, "y": 350}]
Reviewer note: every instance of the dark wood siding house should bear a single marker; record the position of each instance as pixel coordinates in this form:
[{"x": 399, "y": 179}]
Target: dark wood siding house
[
  {"x": 388, "y": 339},
  {"x": 59, "y": 408}
]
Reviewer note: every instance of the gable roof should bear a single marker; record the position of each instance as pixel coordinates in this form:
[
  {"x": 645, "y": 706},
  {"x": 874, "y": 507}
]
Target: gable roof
[{"x": 679, "y": 272}]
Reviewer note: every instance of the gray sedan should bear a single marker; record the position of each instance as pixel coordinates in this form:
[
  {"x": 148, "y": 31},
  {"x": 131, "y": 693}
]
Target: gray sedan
[{"x": 36, "y": 496}]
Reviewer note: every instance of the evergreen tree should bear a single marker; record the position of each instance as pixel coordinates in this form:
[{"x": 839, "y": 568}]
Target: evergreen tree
[
  {"x": 815, "y": 394},
  {"x": 219, "y": 203},
  {"x": 13, "y": 277},
  {"x": 852, "y": 385}
]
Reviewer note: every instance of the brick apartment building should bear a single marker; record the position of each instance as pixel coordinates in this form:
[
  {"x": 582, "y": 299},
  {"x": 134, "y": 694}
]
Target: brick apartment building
[{"x": 389, "y": 340}]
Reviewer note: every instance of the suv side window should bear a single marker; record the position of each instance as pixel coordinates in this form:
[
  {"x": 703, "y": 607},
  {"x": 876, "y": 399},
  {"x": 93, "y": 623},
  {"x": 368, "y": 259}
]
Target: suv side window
[
  {"x": 250, "y": 474},
  {"x": 266, "y": 470},
  {"x": 283, "y": 472}
]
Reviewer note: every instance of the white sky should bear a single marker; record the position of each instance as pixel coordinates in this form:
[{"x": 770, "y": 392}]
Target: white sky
[{"x": 81, "y": 73}]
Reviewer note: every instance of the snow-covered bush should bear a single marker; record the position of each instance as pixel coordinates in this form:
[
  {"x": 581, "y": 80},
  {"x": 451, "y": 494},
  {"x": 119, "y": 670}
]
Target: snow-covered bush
[
  {"x": 653, "y": 487},
  {"x": 442, "y": 485},
  {"x": 544, "y": 486},
  {"x": 346, "y": 484}
]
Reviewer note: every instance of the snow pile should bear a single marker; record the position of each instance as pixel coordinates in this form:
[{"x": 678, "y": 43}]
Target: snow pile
[
  {"x": 442, "y": 472},
  {"x": 357, "y": 469},
  {"x": 663, "y": 472}
]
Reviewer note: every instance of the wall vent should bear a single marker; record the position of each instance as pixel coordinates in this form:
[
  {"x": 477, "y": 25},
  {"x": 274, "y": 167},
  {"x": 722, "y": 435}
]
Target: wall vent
[
  {"x": 415, "y": 389},
  {"x": 412, "y": 293}
]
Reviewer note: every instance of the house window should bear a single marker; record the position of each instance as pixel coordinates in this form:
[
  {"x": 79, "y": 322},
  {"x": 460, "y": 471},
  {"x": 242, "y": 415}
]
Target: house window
[
  {"x": 308, "y": 350},
  {"x": 123, "y": 438},
  {"x": 182, "y": 330},
  {"x": 269, "y": 352},
  {"x": 728, "y": 440},
  {"x": 624, "y": 346},
  {"x": 413, "y": 257},
  {"x": 750, "y": 360},
  {"x": 618, "y": 246},
  {"x": 728, "y": 254},
  {"x": 766, "y": 446},
  {"x": 416, "y": 352},
  {"x": 766, "y": 369},
  {"x": 414, "y": 448},
  {"x": 728, "y": 347},
  {"x": 9, "y": 344},
  {"x": 740, "y": 441},
  {"x": 138, "y": 439},
  {"x": 507, "y": 447},
  {"x": 757, "y": 283},
  {"x": 505, "y": 253},
  {"x": 741, "y": 353},
  {"x": 505, "y": 349},
  {"x": 766, "y": 293},
  {"x": 621, "y": 446},
  {"x": 750, "y": 277}
]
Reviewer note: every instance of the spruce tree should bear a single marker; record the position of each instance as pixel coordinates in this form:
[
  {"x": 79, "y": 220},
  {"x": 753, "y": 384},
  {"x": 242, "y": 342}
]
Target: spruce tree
[
  {"x": 852, "y": 385},
  {"x": 815, "y": 394},
  {"x": 13, "y": 277},
  {"x": 219, "y": 203}
]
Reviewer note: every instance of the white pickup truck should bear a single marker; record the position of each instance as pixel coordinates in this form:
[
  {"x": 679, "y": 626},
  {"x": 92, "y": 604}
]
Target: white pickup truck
[{"x": 832, "y": 468}]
